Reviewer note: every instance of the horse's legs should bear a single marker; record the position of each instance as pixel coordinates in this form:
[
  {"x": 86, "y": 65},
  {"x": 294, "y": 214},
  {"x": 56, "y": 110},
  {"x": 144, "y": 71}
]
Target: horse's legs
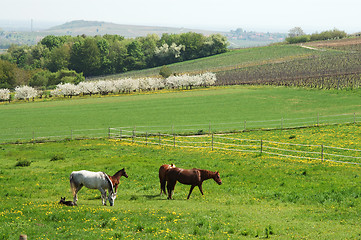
[
  {"x": 162, "y": 186},
  {"x": 104, "y": 196},
  {"x": 200, "y": 188},
  {"x": 170, "y": 188},
  {"x": 75, "y": 193},
  {"x": 190, "y": 191}
]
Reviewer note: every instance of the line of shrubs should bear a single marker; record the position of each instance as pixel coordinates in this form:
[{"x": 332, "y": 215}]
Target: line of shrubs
[{"x": 326, "y": 35}]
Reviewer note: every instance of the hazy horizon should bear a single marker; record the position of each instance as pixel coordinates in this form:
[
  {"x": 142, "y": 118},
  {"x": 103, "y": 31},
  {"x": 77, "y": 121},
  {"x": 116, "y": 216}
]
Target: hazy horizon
[{"x": 217, "y": 15}]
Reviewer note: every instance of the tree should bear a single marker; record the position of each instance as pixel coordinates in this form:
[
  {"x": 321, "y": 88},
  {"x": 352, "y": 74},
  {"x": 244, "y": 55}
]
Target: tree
[
  {"x": 25, "y": 92},
  {"x": 165, "y": 72},
  {"x": 40, "y": 79},
  {"x": 218, "y": 44},
  {"x": 117, "y": 55},
  {"x": 52, "y": 41},
  {"x": 105, "y": 63},
  {"x": 166, "y": 54},
  {"x": 7, "y": 74},
  {"x": 59, "y": 58},
  {"x": 85, "y": 57},
  {"x": 149, "y": 44},
  {"x": 135, "y": 59},
  {"x": 4, "y": 94},
  {"x": 192, "y": 43},
  {"x": 296, "y": 32}
]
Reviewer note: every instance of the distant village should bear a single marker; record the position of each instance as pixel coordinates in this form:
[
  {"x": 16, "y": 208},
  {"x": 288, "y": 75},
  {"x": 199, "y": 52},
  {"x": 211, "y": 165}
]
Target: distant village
[{"x": 240, "y": 34}]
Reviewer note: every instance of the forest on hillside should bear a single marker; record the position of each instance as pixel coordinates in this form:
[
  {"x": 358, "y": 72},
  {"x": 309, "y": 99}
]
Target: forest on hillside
[{"x": 58, "y": 59}]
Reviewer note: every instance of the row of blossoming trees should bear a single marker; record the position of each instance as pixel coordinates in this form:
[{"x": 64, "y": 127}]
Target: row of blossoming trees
[{"x": 125, "y": 85}]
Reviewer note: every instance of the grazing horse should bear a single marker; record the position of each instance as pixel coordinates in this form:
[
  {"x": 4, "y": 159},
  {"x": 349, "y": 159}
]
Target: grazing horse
[
  {"x": 96, "y": 180},
  {"x": 162, "y": 170},
  {"x": 67, "y": 203},
  {"x": 193, "y": 177}
]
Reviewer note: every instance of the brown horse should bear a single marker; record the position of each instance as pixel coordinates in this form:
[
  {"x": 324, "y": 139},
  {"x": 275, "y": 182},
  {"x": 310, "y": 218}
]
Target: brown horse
[
  {"x": 193, "y": 177},
  {"x": 162, "y": 170},
  {"x": 115, "y": 178}
]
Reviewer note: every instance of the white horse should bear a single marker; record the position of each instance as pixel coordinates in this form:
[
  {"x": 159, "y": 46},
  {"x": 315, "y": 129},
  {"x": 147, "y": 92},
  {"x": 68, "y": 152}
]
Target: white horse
[{"x": 92, "y": 180}]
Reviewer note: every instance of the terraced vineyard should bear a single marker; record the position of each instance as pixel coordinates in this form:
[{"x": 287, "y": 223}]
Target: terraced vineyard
[{"x": 326, "y": 69}]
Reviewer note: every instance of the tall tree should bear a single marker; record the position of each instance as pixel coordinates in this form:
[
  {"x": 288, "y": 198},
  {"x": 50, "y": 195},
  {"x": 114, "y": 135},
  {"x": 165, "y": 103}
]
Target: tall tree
[
  {"x": 296, "y": 32},
  {"x": 85, "y": 57}
]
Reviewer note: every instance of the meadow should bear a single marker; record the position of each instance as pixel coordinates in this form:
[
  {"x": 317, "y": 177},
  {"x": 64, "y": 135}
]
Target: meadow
[
  {"x": 164, "y": 109},
  {"x": 261, "y": 196}
]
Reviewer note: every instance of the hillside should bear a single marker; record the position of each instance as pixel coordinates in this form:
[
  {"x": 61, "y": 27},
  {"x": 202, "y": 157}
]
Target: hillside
[
  {"x": 324, "y": 64},
  {"x": 91, "y": 28},
  {"x": 238, "y": 38}
]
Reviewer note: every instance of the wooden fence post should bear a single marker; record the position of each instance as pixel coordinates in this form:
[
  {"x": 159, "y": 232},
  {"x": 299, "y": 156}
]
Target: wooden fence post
[
  {"x": 108, "y": 132},
  {"x": 159, "y": 139},
  {"x": 133, "y": 136},
  {"x": 173, "y": 140},
  {"x": 322, "y": 152},
  {"x": 120, "y": 134},
  {"x": 354, "y": 118},
  {"x": 261, "y": 146},
  {"x": 245, "y": 124},
  {"x": 212, "y": 141},
  {"x": 33, "y": 137},
  {"x": 146, "y": 138}
]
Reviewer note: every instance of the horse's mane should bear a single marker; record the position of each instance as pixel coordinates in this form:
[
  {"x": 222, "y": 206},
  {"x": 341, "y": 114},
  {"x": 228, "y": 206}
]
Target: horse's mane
[
  {"x": 109, "y": 182},
  {"x": 206, "y": 174},
  {"x": 117, "y": 173}
]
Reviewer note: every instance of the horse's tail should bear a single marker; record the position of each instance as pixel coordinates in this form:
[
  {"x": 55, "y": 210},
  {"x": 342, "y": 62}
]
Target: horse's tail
[
  {"x": 163, "y": 182},
  {"x": 72, "y": 184},
  {"x": 162, "y": 179}
]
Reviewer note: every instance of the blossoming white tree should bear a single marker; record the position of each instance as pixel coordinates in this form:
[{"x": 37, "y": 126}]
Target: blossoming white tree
[
  {"x": 4, "y": 94},
  {"x": 188, "y": 81},
  {"x": 25, "y": 92},
  {"x": 88, "y": 88},
  {"x": 105, "y": 86},
  {"x": 124, "y": 85},
  {"x": 66, "y": 89},
  {"x": 208, "y": 79},
  {"x": 166, "y": 51}
]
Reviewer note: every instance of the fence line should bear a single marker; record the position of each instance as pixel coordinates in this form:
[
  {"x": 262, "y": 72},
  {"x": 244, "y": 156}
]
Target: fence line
[
  {"x": 170, "y": 135},
  {"x": 282, "y": 149}
]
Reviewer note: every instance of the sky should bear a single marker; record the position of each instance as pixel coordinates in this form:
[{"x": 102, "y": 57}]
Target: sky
[{"x": 223, "y": 15}]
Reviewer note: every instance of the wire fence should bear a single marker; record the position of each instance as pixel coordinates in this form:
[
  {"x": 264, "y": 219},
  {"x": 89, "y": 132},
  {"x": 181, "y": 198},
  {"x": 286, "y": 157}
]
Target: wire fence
[
  {"x": 214, "y": 142},
  {"x": 204, "y": 136},
  {"x": 246, "y": 125}
]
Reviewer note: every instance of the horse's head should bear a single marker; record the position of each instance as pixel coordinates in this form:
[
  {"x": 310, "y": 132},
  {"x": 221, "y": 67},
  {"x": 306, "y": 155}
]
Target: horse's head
[
  {"x": 112, "y": 196},
  {"x": 115, "y": 178},
  {"x": 217, "y": 178},
  {"x": 124, "y": 173}
]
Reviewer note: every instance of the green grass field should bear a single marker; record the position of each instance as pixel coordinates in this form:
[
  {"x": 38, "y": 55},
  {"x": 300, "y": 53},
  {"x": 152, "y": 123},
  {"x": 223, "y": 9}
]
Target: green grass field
[
  {"x": 261, "y": 196},
  {"x": 170, "y": 108}
]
